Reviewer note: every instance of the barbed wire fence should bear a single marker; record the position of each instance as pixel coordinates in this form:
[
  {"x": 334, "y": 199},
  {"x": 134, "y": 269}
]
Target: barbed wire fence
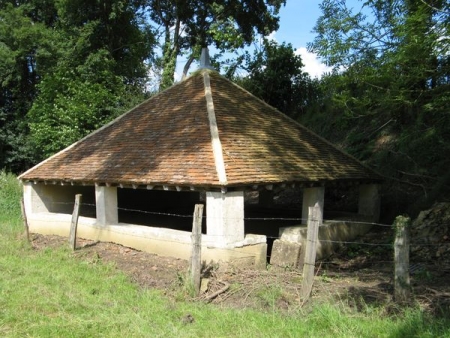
[
  {"x": 361, "y": 247},
  {"x": 423, "y": 242},
  {"x": 189, "y": 216}
]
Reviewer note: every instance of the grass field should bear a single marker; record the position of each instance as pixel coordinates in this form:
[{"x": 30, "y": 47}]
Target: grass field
[{"x": 50, "y": 293}]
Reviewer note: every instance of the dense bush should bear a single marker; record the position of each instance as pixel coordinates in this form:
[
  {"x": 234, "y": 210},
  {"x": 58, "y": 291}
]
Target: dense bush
[{"x": 10, "y": 195}]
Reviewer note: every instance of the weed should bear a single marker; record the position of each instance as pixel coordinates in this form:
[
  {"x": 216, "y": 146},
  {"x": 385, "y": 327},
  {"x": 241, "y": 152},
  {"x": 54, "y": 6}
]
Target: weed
[
  {"x": 185, "y": 288},
  {"x": 423, "y": 275},
  {"x": 180, "y": 279},
  {"x": 324, "y": 278},
  {"x": 10, "y": 195},
  {"x": 269, "y": 296}
]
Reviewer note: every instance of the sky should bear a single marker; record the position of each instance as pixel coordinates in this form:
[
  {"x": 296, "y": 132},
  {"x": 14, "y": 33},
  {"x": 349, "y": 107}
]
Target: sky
[{"x": 297, "y": 20}]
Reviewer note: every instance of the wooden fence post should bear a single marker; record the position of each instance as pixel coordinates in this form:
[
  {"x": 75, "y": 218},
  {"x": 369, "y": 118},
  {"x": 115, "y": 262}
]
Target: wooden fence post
[
  {"x": 402, "y": 286},
  {"x": 196, "y": 257},
  {"x": 310, "y": 251},
  {"x": 74, "y": 222},
  {"x": 25, "y": 221}
]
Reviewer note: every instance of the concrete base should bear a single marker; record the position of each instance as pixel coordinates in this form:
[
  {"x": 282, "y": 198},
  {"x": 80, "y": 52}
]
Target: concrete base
[
  {"x": 251, "y": 252},
  {"x": 285, "y": 254},
  {"x": 287, "y": 250}
]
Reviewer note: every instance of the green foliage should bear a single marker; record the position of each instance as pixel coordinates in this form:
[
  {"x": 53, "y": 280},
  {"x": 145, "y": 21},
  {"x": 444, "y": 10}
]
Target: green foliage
[
  {"x": 26, "y": 51},
  {"x": 68, "y": 66},
  {"x": 275, "y": 75},
  {"x": 228, "y": 25},
  {"x": 391, "y": 66},
  {"x": 386, "y": 101},
  {"x": 10, "y": 195},
  {"x": 115, "y": 26},
  {"x": 401, "y": 222},
  {"x": 75, "y": 102}
]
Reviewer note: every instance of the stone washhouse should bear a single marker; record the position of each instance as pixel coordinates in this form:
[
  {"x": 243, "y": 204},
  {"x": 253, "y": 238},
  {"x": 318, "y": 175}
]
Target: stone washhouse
[{"x": 203, "y": 140}]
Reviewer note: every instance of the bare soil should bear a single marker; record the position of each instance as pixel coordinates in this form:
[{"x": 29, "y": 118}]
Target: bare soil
[{"x": 357, "y": 275}]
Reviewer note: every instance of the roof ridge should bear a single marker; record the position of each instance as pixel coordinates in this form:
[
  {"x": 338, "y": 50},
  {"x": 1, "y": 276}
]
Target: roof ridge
[{"x": 214, "y": 130}]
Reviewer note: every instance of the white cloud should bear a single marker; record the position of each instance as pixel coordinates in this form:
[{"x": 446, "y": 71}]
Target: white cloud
[
  {"x": 271, "y": 36},
  {"x": 312, "y": 64}
]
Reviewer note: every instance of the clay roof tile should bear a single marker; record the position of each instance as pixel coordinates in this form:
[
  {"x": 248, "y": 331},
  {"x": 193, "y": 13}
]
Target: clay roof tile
[{"x": 168, "y": 140}]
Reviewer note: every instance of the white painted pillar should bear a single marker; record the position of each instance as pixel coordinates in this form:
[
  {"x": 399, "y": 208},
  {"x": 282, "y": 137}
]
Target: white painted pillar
[
  {"x": 225, "y": 217},
  {"x": 369, "y": 201},
  {"x": 311, "y": 196},
  {"x": 28, "y": 197},
  {"x": 106, "y": 205},
  {"x": 34, "y": 198}
]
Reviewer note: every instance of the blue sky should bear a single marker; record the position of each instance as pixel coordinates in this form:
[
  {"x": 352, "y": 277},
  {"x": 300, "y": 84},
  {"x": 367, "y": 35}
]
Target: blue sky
[{"x": 297, "y": 20}]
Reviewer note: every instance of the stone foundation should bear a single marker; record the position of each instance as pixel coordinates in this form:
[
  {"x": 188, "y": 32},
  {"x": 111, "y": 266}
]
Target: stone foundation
[{"x": 287, "y": 251}]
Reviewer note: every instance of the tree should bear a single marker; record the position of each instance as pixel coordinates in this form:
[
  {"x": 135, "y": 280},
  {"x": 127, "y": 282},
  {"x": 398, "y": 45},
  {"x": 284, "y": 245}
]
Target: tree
[
  {"x": 100, "y": 73},
  {"x": 274, "y": 74},
  {"x": 118, "y": 27},
  {"x": 389, "y": 61},
  {"x": 26, "y": 52},
  {"x": 190, "y": 25},
  {"x": 66, "y": 67},
  {"x": 390, "y": 88}
]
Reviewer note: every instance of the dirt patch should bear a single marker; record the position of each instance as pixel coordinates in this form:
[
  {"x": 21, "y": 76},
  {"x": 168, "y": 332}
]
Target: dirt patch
[
  {"x": 358, "y": 274},
  {"x": 145, "y": 269}
]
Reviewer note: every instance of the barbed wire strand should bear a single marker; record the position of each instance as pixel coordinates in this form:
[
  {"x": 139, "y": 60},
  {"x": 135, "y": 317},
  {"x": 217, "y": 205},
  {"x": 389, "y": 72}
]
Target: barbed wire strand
[
  {"x": 359, "y": 243},
  {"x": 245, "y": 218}
]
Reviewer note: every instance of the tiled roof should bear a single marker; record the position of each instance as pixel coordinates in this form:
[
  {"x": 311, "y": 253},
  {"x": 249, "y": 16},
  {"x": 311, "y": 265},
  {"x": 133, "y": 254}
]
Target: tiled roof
[{"x": 169, "y": 140}]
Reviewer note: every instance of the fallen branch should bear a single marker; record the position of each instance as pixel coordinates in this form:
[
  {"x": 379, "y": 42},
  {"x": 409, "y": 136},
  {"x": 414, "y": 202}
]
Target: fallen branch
[
  {"x": 218, "y": 292},
  {"x": 231, "y": 293},
  {"x": 439, "y": 293}
]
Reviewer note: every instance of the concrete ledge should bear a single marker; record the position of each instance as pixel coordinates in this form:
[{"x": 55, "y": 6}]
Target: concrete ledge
[
  {"x": 330, "y": 234},
  {"x": 161, "y": 241}
]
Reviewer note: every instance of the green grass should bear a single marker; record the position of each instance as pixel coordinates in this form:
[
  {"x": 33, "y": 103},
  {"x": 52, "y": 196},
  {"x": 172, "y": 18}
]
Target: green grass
[
  {"x": 10, "y": 195},
  {"x": 51, "y": 293}
]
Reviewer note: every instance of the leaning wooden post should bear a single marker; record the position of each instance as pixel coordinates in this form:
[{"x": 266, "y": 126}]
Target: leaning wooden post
[
  {"x": 402, "y": 286},
  {"x": 196, "y": 256},
  {"x": 25, "y": 221},
  {"x": 74, "y": 222},
  {"x": 310, "y": 250}
]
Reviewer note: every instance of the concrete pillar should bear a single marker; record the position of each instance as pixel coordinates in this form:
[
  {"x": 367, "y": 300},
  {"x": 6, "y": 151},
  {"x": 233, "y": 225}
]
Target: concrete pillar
[
  {"x": 35, "y": 199},
  {"x": 28, "y": 197},
  {"x": 106, "y": 205},
  {"x": 265, "y": 198},
  {"x": 225, "y": 217},
  {"x": 311, "y": 196},
  {"x": 369, "y": 201}
]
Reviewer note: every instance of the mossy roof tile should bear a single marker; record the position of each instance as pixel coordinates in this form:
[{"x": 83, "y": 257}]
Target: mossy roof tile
[{"x": 167, "y": 140}]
